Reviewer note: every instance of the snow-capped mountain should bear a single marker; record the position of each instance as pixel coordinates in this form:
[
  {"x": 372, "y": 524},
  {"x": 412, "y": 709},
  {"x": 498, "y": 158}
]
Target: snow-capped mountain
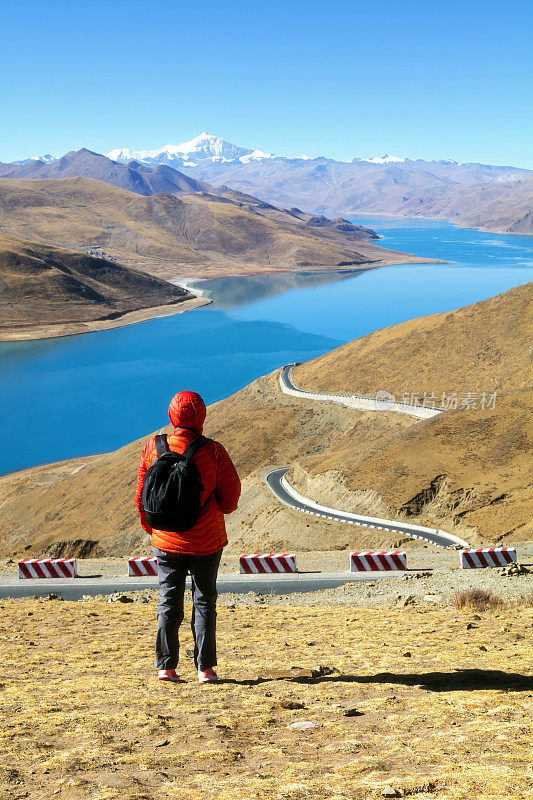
[
  {"x": 203, "y": 148},
  {"x": 46, "y": 159},
  {"x": 386, "y": 159}
]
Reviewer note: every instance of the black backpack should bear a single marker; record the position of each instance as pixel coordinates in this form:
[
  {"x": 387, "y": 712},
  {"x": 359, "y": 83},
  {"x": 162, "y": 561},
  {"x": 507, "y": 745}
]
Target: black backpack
[{"x": 172, "y": 486}]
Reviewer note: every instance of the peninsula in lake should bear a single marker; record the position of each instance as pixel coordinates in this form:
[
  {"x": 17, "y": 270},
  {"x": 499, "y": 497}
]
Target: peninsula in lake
[{"x": 81, "y": 253}]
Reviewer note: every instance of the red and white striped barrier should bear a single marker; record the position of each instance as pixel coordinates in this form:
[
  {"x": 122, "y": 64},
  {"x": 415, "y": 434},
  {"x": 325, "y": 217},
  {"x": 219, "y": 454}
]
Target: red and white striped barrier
[
  {"x": 273, "y": 562},
  {"x": 47, "y": 568},
  {"x": 378, "y": 560},
  {"x": 487, "y": 557},
  {"x": 145, "y": 565}
]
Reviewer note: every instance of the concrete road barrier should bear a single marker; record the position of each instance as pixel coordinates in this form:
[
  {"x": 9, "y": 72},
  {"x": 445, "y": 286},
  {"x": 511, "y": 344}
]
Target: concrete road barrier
[
  {"x": 270, "y": 562},
  {"x": 144, "y": 565},
  {"x": 487, "y": 557},
  {"x": 378, "y": 560},
  {"x": 47, "y": 568}
]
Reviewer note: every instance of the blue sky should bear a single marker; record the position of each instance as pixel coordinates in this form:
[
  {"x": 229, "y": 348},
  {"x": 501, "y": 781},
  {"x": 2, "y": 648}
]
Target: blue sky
[{"x": 342, "y": 79}]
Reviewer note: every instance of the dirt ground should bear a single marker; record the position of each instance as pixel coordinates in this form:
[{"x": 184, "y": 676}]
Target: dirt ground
[{"x": 324, "y": 702}]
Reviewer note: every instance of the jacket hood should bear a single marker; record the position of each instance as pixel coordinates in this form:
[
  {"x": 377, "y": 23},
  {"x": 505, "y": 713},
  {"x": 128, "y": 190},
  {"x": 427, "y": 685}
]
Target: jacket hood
[{"x": 187, "y": 410}]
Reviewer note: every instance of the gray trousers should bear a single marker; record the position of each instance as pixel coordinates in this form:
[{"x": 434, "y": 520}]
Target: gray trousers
[{"x": 172, "y": 570}]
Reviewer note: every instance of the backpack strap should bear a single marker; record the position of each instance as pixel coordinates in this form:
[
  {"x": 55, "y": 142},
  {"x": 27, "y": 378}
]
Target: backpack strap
[
  {"x": 161, "y": 444},
  {"x": 194, "y": 446},
  {"x": 189, "y": 452}
]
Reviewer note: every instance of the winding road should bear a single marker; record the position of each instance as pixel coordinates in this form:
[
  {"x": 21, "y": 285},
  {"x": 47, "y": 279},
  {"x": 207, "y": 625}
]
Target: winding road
[
  {"x": 279, "y": 485},
  {"x": 383, "y": 403}
]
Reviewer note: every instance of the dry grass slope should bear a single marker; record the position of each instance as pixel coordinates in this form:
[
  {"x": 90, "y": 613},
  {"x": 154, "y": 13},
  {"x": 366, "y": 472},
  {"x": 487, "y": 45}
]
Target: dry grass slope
[
  {"x": 50, "y": 286},
  {"x": 198, "y": 234},
  {"x": 434, "y": 702}
]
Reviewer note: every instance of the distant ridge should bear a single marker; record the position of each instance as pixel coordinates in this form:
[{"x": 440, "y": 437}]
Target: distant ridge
[{"x": 134, "y": 177}]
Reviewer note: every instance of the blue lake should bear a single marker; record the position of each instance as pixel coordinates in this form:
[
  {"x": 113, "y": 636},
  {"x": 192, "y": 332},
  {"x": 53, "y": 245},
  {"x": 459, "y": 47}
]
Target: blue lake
[{"x": 87, "y": 394}]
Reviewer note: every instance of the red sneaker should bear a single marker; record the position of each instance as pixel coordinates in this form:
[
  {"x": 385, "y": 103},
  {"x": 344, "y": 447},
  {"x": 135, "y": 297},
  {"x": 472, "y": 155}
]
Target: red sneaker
[
  {"x": 207, "y": 675},
  {"x": 168, "y": 675}
]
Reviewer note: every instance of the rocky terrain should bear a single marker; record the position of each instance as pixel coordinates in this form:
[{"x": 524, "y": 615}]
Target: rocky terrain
[
  {"x": 465, "y": 471},
  {"x": 51, "y": 291}
]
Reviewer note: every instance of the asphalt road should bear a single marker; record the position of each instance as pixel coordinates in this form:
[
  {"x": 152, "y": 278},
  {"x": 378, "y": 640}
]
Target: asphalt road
[
  {"x": 279, "y": 485},
  {"x": 384, "y": 403},
  {"x": 75, "y": 588}
]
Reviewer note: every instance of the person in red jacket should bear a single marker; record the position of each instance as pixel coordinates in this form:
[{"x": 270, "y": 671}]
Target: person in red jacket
[{"x": 196, "y": 551}]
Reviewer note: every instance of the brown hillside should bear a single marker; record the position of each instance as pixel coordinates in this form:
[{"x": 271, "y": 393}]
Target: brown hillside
[
  {"x": 465, "y": 471},
  {"x": 481, "y": 347},
  {"x": 56, "y": 290},
  {"x": 195, "y": 235}
]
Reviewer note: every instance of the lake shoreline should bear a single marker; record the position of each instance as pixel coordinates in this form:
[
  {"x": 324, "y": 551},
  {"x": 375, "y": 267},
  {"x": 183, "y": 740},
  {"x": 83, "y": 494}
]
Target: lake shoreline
[
  {"x": 60, "y": 330},
  {"x": 455, "y": 223}
]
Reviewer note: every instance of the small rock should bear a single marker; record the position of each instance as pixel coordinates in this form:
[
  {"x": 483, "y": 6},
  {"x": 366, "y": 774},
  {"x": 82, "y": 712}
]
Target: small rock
[
  {"x": 388, "y": 791},
  {"x": 432, "y": 598},
  {"x": 162, "y": 743},
  {"x": 189, "y": 653},
  {"x": 292, "y": 705},
  {"x": 353, "y": 712},
  {"x": 408, "y": 601},
  {"x": 470, "y": 625},
  {"x": 303, "y": 724},
  {"x": 407, "y": 654},
  {"x": 476, "y": 616},
  {"x": 124, "y": 599},
  {"x": 324, "y": 670},
  {"x": 482, "y": 647},
  {"x": 52, "y": 596},
  {"x": 9, "y": 561}
]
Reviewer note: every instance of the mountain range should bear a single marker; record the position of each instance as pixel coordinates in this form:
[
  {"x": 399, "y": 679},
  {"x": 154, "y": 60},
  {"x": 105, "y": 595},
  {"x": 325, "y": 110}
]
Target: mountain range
[
  {"x": 134, "y": 176},
  {"x": 498, "y": 198}
]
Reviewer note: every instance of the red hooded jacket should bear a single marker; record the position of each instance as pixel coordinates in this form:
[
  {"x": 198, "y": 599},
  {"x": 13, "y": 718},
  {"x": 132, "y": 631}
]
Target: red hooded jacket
[{"x": 219, "y": 478}]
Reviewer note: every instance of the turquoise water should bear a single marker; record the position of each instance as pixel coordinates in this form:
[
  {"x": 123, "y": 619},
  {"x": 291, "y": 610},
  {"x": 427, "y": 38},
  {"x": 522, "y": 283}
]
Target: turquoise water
[{"x": 87, "y": 394}]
